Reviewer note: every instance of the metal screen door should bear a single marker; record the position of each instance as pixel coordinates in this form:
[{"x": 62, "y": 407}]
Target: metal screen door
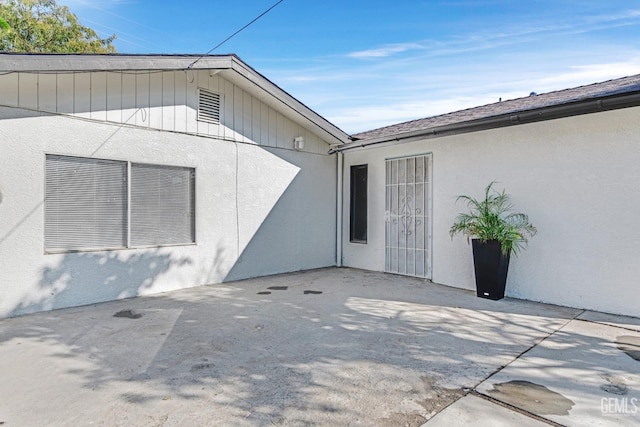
[{"x": 407, "y": 236}]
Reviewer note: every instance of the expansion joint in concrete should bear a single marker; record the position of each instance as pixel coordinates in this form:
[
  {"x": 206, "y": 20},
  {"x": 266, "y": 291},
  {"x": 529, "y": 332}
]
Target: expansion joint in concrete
[{"x": 515, "y": 409}]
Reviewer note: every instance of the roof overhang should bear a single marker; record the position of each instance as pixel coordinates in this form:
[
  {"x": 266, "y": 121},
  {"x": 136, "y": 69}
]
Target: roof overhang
[
  {"x": 230, "y": 66},
  {"x": 569, "y": 109}
]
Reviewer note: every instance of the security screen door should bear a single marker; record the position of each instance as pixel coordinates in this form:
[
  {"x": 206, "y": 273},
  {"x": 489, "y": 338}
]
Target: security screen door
[{"x": 407, "y": 236}]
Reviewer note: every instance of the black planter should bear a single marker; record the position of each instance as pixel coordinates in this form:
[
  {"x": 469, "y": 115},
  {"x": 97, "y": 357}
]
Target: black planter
[{"x": 491, "y": 267}]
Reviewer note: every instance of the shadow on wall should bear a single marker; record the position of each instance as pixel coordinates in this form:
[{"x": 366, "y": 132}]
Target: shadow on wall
[
  {"x": 91, "y": 277},
  {"x": 286, "y": 203},
  {"x": 273, "y": 248},
  {"x": 298, "y": 230}
]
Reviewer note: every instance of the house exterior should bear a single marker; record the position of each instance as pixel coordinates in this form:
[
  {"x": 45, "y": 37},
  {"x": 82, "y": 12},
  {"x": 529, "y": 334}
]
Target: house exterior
[
  {"x": 126, "y": 175},
  {"x": 570, "y": 161}
]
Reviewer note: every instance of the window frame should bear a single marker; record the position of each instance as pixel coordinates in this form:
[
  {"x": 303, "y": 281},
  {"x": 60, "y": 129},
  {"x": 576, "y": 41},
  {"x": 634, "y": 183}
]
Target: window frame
[
  {"x": 191, "y": 201},
  {"x": 358, "y": 205},
  {"x": 128, "y": 200},
  {"x": 89, "y": 217}
]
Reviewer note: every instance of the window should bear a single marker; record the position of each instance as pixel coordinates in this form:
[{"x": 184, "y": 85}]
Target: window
[
  {"x": 162, "y": 205},
  {"x": 85, "y": 203},
  {"x": 93, "y": 204},
  {"x": 358, "y": 221}
]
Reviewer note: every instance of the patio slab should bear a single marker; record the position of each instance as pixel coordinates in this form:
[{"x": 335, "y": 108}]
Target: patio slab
[
  {"x": 477, "y": 412},
  {"x": 585, "y": 374},
  {"x": 325, "y": 347},
  {"x": 625, "y": 322}
]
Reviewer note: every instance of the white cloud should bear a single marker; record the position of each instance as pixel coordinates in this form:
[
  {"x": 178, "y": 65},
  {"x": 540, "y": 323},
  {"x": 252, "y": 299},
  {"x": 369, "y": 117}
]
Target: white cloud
[
  {"x": 413, "y": 95},
  {"x": 364, "y": 118},
  {"x": 516, "y": 33},
  {"x": 385, "y": 51},
  {"x": 591, "y": 73}
]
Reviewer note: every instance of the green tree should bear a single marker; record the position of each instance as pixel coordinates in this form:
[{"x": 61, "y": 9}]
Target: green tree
[{"x": 42, "y": 26}]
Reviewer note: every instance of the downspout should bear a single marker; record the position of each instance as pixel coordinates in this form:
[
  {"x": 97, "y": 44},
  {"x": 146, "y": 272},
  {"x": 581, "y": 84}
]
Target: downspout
[{"x": 339, "y": 215}]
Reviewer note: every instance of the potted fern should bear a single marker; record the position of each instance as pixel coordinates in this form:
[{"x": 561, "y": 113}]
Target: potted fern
[{"x": 496, "y": 233}]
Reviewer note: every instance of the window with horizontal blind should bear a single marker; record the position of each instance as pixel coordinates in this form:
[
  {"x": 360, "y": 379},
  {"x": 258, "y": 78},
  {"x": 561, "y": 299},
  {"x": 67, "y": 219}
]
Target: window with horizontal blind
[
  {"x": 162, "y": 205},
  {"x": 88, "y": 203},
  {"x": 85, "y": 203}
]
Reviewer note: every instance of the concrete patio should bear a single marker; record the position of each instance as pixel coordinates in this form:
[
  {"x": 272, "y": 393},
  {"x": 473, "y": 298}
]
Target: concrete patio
[{"x": 324, "y": 347}]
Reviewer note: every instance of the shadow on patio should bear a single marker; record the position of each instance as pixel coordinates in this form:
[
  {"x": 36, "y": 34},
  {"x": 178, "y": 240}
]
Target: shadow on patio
[{"x": 363, "y": 347}]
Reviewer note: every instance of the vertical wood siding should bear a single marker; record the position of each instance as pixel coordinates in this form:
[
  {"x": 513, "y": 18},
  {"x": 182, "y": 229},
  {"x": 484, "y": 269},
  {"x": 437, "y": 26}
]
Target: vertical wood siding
[
  {"x": 28, "y": 91},
  {"x": 157, "y": 100}
]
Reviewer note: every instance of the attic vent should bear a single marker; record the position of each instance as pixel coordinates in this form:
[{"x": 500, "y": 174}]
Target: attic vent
[{"x": 208, "y": 107}]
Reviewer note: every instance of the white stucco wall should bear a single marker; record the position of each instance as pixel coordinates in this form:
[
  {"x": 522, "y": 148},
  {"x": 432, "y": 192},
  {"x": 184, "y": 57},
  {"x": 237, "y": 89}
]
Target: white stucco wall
[
  {"x": 259, "y": 210},
  {"x": 577, "y": 179}
]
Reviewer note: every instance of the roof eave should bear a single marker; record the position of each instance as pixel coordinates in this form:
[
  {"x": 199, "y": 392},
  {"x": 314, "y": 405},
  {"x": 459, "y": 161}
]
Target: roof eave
[
  {"x": 42, "y": 62},
  {"x": 52, "y": 63},
  {"x": 338, "y": 136},
  {"x": 586, "y": 106}
]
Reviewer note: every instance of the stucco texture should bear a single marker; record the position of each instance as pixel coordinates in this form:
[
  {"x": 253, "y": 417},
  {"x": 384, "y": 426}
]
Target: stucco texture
[
  {"x": 259, "y": 210},
  {"x": 575, "y": 177}
]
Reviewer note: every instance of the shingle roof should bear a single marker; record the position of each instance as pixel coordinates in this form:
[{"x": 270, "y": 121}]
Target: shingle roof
[{"x": 566, "y": 96}]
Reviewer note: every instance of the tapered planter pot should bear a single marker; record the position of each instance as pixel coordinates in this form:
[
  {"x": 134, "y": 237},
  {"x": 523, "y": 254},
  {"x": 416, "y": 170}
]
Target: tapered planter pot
[{"x": 491, "y": 267}]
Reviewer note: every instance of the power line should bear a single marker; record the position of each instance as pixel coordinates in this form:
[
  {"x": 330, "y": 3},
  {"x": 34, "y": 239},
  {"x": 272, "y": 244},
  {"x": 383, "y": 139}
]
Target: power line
[{"x": 234, "y": 34}]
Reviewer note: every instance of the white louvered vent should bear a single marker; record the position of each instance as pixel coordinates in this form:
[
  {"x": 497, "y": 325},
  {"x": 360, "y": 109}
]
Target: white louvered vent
[{"x": 208, "y": 106}]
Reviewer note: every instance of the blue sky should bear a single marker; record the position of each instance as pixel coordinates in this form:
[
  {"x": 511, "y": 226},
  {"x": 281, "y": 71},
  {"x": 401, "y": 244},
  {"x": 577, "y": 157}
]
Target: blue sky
[{"x": 366, "y": 64}]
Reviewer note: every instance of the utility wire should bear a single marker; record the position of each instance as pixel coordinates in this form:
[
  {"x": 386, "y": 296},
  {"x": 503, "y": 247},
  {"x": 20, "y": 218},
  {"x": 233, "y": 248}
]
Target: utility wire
[{"x": 234, "y": 34}]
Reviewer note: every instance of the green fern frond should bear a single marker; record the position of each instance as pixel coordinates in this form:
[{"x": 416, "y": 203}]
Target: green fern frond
[{"x": 494, "y": 219}]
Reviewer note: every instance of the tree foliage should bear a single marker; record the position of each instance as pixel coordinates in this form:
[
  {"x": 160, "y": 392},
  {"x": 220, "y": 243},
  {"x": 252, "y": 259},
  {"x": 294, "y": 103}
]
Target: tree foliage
[
  {"x": 3, "y": 24},
  {"x": 42, "y": 26}
]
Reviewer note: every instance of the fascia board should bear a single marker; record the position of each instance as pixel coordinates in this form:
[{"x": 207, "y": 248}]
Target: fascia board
[
  {"x": 252, "y": 80},
  {"x": 570, "y": 109},
  {"x": 232, "y": 67},
  {"x": 106, "y": 62}
]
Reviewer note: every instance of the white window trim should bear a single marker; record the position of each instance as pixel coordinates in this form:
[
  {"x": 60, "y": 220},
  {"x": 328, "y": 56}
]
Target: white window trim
[{"x": 128, "y": 246}]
